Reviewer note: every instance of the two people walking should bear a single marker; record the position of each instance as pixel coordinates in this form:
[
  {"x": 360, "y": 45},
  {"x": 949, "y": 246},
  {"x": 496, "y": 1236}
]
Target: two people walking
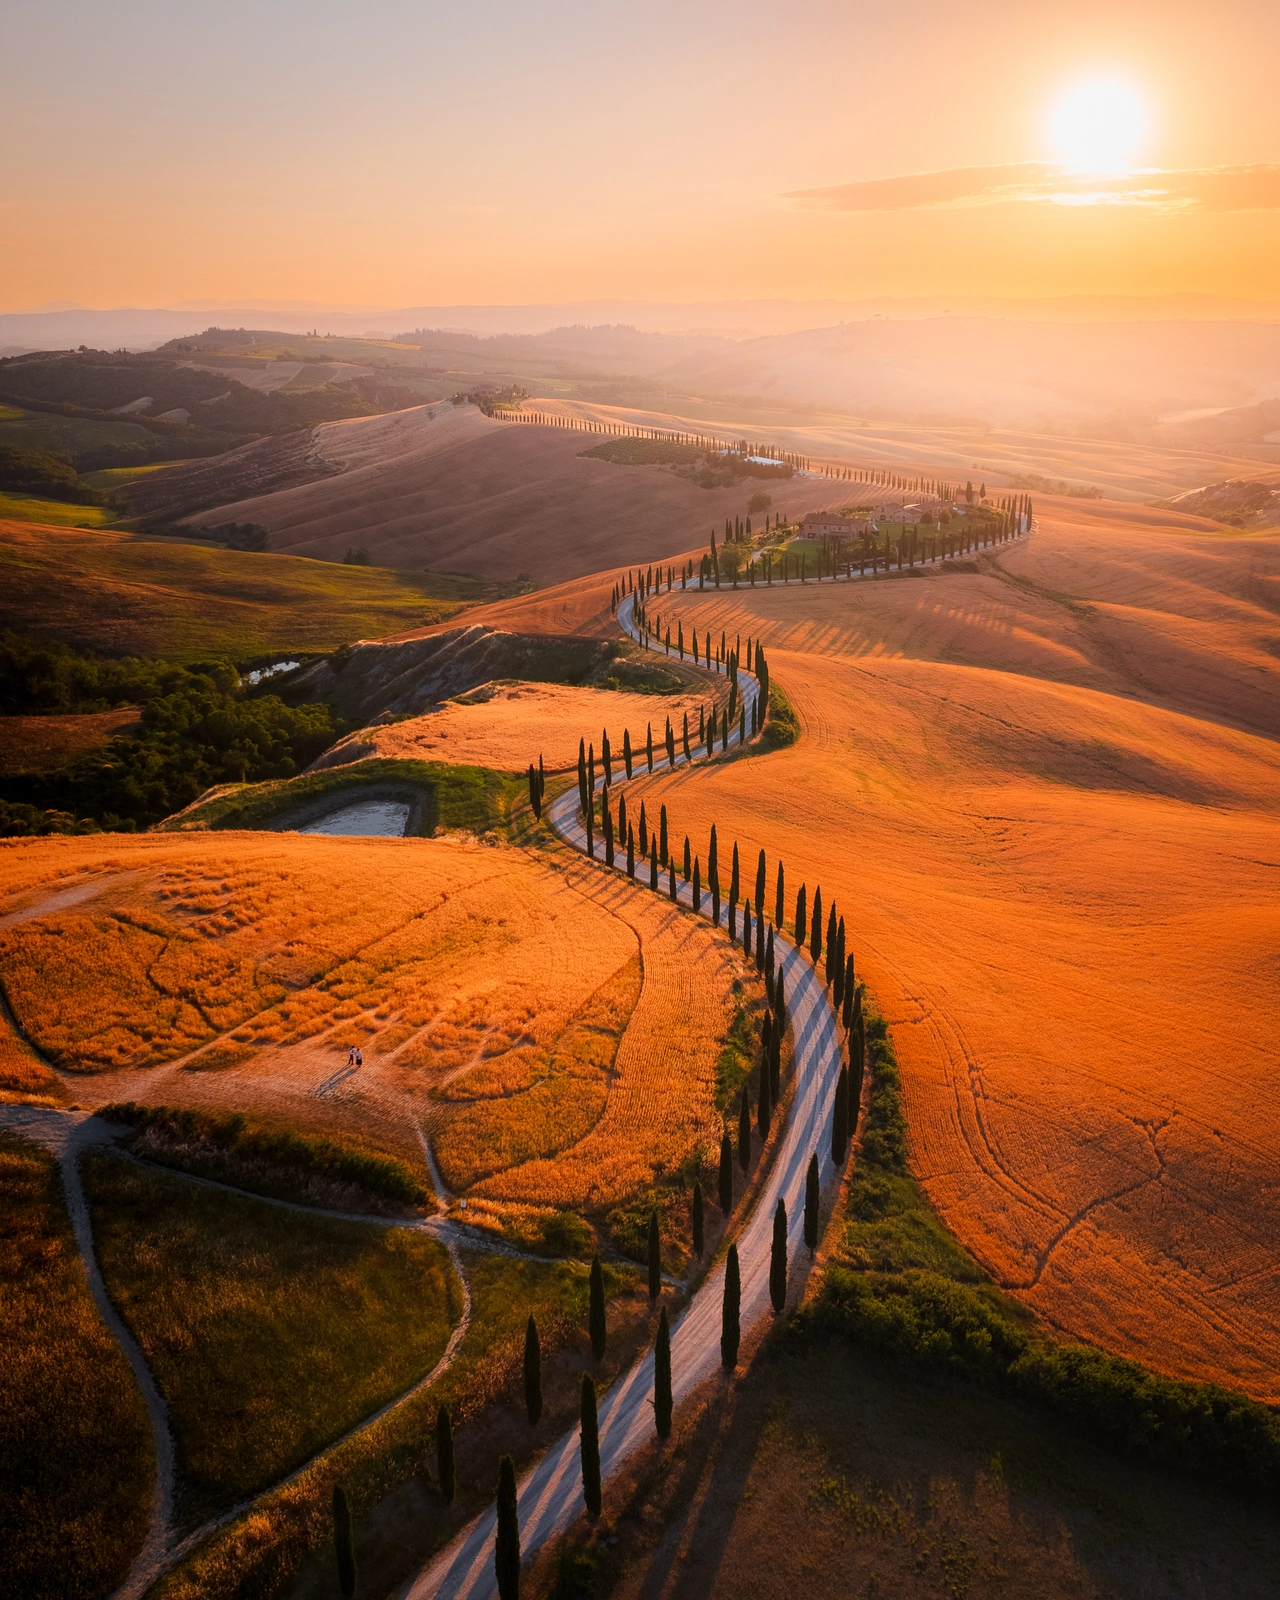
[{"x": 355, "y": 1057}]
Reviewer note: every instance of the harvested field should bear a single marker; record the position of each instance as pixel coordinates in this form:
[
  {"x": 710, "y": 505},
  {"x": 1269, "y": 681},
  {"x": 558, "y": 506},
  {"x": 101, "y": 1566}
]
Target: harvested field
[
  {"x": 76, "y": 1457},
  {"x": 269, "y": 1333},
  {"x": 496, "y": 997},
  {"x": 445, "y": 486},
  {"x": 43, "y": 744},
  {"x": 1046, "y": 796},
  {"x": 507, "y": 725}
]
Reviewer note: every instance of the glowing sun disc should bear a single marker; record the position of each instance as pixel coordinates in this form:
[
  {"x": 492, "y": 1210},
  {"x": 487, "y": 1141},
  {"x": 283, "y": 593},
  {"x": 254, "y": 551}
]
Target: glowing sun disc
[{"x": 1098, "y": 126}]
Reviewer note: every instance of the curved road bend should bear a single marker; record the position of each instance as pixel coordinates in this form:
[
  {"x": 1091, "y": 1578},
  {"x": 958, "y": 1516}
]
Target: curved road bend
[{"x": 550, "y": 1494}]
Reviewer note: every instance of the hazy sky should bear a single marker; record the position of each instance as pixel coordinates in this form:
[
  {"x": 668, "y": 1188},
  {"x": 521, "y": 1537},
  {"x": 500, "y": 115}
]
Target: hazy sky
[{"x": 399, "y": 154}]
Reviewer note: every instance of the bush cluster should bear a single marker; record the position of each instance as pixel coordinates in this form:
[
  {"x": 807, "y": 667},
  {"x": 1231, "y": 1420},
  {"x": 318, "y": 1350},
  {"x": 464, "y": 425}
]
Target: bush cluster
[
  {"x": 47, "y": 474},
  {"x": 233, "y": 1133}
]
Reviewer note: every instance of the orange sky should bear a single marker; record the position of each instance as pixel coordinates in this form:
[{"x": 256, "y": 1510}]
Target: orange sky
[{"x": 401, "y": 154}]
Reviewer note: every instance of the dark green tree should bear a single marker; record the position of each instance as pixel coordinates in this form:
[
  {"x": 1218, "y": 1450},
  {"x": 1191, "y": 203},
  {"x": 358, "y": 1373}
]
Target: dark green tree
[
  {"x": 746, "y": 929},
  {"x": 655, "y": 1256},
  {"x": 626, "y": 750},
  {"x": 671, "y": 745},
  {"x": 532, "y": 1373},
  {"x": 688, "y": 859},
  {"x": 343, "y": 1543},
  {"x": 687, "y": 755},
  {"x": 760, "y": 886},
  {"x": 698, "y": 1240},
  {"x": 840, "y": 1119},
  {"x": 631, "y": 851},
  {"x": 653, "y": 863},
  {"x": 445, "y": 1464},
  {"x": 831, "y": 942},
  {"x": 648, "y": 745},
  {"x": 726, "y": 1173},
  {"x": 606, "y": 755},
  {"x": 811, "y": 1201},
  {"x": 744, "y": 1130},
  {"x": 584, "y": 799},
  {"x": 801, "y": 924},
  {"x": 778, "y": 1258},
  {"x": 590, "y": 1447},
  {"x": 731, "y": 1312},
  {"x": 780, "y": 902},
  {"x": 815, "y": 929},
  {"x": 506, "y": 1545},
  {"x": 597, "y": 1329},
  {"x": 662, "y": 836},
  {"x": 662, "y": 1398},
  {"x": 697, "y": 885},
  {"x": 759, "y": 943}
]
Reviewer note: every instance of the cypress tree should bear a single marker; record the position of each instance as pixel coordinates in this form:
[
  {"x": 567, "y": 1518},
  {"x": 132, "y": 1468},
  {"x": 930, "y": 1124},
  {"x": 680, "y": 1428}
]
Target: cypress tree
[
  {"x": 606, "y": 755},
  {"x": 506, "y": 1548},
  {"x": 655, "y": 1257},
  {"x": 653, "y": 864},
  {"x": 445, "y": 1465},
  {"x": 622, "y": 815},
  {"x": 698, "y": 1219},
  {"x": 631, "y": 851},
  {"x": 702, "y": 719},
  {"x": 532, "y": 1373},
  {"x": 597, "y": 1329},
  {"x": 671, "y": 745},
  {"x": 759, "y": 944},
  {"x": 746, "y": 931},
  {"x": 801, "y": 923},
  {"x": 846, "y": 1010},
  {"x": 626, "y": 750},
  {"x": 837, "y": 982},
  {"x": 648, "y": 745},
  {"x": 730, "y": 1326},
  {"x": 726, "y": 1173},
  {"x": 744, "y": 1130},
  {"x": 815, "y": 929},
  {"x": 697, "y": 886},
  {"x": 811, "y": 1198},
  {"x": 778, "y": 1258},
  {"x": 344, "y": 1545},
  {"x": 713, "y": 876},
  {"x": 590, "y": 1424},
  {"x": 662, "y": 1399},
  {"x": 763, "y": 1108},
  {"x": 535, "y": 800},
  {"x": 607, "y": 818},
  {"x": 644, "y": 832},
  {"x": 662, "y": 835},
  {"x": 688, "y": 860},
  {"x": 687, "y": 755},
  {"x": 831, "y": 941},
  {"x": 840, "y": 1120},
  {"x": 780, "y": 903},
  {"x": 769, "y": 958},
  {"x": 760, "y": 886},
  {"x": 583, "y": 798}
]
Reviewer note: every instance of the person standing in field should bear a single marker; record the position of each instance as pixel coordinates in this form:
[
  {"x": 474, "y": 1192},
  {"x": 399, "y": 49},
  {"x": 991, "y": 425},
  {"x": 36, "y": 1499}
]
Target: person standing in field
[{"x": 351, "y": 1056}]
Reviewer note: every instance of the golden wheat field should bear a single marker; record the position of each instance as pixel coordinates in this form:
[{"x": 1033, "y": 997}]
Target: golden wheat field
[
  {"x": 1046, "y": 796},
  {"x": 507, "y": 725},
  {"x": 524, "y": 1014}
]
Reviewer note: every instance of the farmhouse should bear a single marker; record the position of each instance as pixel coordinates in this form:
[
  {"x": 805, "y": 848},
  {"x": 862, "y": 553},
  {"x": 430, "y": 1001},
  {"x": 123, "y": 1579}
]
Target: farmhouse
[{"x": 819, "y": 524}]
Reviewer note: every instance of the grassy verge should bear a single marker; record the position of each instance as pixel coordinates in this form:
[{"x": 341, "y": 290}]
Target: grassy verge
[
  {"x": 900, "y": 1285},
  {"x": 53, "y": 513},
  {"x": 276, "y": 1162},
  {"x": 269, "y": 1333},
  {"x": 284, "y": 1545},
  {"x": 76, "y": 1459},
  {"x": 474, "y": 799}
]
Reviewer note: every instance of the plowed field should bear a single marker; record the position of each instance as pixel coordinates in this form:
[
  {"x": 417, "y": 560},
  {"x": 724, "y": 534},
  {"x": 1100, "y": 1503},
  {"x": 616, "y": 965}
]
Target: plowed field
[
  {"x": 556, "y": 1036},
  {"x": 1046, "y": 796}
]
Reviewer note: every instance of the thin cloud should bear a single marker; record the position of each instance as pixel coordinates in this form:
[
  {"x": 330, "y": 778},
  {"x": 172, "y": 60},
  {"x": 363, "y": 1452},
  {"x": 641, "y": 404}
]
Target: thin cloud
[{"x": 1251, "y": 188}]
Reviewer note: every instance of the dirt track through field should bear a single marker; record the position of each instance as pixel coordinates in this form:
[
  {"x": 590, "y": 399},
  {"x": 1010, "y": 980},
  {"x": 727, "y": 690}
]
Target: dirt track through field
[{"x": 550, "y": 1495}]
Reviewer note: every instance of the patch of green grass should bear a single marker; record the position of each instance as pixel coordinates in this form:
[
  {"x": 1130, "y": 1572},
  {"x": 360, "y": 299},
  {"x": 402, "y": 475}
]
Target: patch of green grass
[
  {"x": 57, "y": 513},
  {"x": 115, "y": 594},
  {"x": 626, "y": 451},
  {"x": 737, "y": 1058},
  {"x": 263, "y": 1552},
  {"x": 76, "y": 1456},
  {"x": 781, "y": 725},
  {"x": 269, "y": 1332},
  {"x": 108, "y": 478},
  {"x": 472, "y": 799}
]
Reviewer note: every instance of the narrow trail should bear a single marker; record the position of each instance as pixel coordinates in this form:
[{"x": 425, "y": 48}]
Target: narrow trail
[{"x": 550, "y": 1495}]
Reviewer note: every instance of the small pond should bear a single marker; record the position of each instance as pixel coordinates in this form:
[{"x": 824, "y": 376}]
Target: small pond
[{"x": 365, "y": 819}]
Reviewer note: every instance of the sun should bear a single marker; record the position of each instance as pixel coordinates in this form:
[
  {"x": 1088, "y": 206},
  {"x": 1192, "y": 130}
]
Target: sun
[{"x": 1098, "y": 126}]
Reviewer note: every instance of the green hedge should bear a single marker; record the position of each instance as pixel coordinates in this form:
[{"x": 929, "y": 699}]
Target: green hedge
[{"x": 303, "y": 1152}]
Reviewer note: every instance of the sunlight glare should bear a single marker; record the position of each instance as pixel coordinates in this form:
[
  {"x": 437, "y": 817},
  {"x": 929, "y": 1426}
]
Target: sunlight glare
[{"x": 1097, "y": 126}]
